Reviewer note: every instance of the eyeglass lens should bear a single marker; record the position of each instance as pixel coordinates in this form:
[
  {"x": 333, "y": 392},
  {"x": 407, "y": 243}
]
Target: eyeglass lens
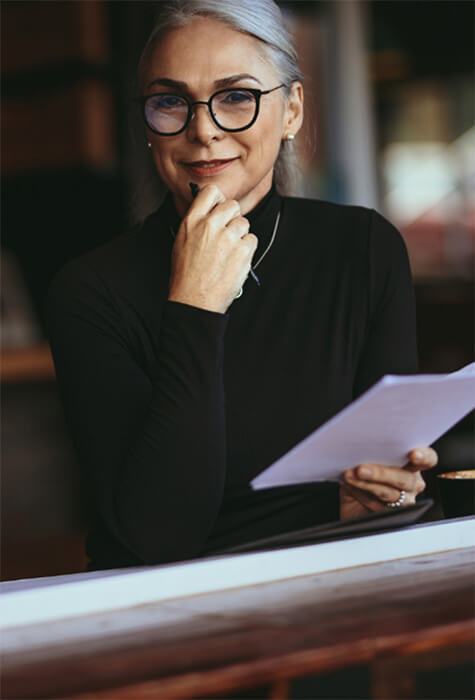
[{"x": 231, "y": 109}]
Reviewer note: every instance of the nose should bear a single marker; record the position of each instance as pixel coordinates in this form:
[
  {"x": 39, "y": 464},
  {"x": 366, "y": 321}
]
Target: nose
[{"x": 202, "y": 127}]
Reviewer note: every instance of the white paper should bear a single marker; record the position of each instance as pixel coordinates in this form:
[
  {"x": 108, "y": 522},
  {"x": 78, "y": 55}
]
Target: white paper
[{"x": 396, "y": 415}]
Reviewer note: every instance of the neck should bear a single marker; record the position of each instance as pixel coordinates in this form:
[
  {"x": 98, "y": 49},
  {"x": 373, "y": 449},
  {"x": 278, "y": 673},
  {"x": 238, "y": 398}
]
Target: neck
[{"x": 252, "y": 198}]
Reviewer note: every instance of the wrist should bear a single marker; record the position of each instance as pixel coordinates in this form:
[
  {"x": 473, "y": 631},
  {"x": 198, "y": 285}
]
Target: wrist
[{"x": 199, "y": 302}]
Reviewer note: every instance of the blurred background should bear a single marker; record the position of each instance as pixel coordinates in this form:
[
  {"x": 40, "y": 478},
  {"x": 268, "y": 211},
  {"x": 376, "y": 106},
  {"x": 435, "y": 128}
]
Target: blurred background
[{"x": 389, "y": 124}]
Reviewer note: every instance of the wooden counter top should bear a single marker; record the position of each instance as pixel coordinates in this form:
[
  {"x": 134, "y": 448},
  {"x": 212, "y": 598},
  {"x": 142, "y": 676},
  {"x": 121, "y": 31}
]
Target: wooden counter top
[{"x": 415, "y": 608}]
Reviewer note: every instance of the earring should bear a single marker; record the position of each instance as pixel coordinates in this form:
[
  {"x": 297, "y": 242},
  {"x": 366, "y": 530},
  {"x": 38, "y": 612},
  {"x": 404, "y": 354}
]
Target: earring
[
  {"x": 149, "y": 144},
  {"x": 290, "y": 137}
]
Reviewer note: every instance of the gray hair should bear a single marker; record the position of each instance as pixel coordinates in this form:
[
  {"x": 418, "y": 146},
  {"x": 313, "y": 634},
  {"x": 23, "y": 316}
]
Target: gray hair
[{"x": 261, "y": 19}]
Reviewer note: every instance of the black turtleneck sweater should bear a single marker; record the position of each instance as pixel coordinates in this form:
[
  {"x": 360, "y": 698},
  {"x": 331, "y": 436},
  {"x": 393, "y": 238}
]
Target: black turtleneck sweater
[{"x": 174, "y": 409}]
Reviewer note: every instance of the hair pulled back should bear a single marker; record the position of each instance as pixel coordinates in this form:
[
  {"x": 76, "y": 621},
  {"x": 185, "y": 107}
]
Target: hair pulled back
[{"x": 261, "y": 19}]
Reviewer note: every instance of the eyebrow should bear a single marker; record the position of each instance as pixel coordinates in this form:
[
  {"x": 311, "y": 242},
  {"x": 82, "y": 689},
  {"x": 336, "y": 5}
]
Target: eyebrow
[{"x": 222, "y": 82}]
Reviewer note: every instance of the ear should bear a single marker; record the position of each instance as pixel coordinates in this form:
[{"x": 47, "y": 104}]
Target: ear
[{"x": 293, "y": 116}]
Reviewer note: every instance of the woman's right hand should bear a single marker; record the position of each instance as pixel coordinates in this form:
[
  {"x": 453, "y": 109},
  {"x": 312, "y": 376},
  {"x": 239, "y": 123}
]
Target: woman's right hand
[{"x": 212, "y": 253}]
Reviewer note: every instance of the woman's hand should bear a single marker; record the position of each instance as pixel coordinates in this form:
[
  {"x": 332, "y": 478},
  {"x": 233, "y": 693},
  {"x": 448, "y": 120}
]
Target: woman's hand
[
  {"x": 212, "y": 253},
  {"x": 370, "y": 487}
]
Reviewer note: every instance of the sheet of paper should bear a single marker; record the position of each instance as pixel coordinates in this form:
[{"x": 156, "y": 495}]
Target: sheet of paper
[{"x": 396, "y": 415}]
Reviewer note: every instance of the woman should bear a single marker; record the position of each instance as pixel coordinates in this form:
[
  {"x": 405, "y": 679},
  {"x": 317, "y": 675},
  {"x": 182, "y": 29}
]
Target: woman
[{"x": 195, "y": 352}]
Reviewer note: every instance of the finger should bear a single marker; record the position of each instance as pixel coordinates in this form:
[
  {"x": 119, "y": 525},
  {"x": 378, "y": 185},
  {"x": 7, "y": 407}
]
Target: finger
[
  {"x": 410, "y": 482},
  {"x": 422, "y": 458},
  {"x": 204, "y": 202},
  {"x": 237, "y": 228},
  {"x": 224, "y": 214},
  {"x": 382, "y": 491},
  {"x": 393, "y": 477},
  {"x": 370, "y": 502},
  {"x": 250, "y": 241},
  {"x": 244, "y": 252},
  {"x": 420, "y": 483}
]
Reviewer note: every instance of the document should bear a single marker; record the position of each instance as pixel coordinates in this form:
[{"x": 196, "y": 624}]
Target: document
[{"x": 396, "y": 415}]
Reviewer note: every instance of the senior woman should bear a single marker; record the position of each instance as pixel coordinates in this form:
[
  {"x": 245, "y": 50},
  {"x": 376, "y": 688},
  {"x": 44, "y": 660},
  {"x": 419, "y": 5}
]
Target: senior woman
[{"x": 194, "y": 352}]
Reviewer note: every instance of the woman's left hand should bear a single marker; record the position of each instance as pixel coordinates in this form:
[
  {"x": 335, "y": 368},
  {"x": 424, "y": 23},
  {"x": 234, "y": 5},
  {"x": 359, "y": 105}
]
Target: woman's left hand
[{"x": 370, "y": 487}]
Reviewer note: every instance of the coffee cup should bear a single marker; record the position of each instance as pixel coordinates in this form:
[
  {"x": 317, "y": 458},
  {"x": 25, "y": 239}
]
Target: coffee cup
[{"x": 457, "y": 492}]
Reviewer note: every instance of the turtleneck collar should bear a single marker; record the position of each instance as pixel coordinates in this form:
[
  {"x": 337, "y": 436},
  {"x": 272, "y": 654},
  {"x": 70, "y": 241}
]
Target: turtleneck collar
[{"x": 261, "y": 218}]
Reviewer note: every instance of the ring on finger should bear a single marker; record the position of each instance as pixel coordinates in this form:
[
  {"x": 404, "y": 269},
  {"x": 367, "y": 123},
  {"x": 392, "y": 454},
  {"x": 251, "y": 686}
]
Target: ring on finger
[{"x": 400, "y": 501}]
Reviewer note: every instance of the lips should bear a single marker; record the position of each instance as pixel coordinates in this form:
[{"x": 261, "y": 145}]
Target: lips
[
  {"x": 208, "y": 163},
  {"x": 209, "y": 167}
]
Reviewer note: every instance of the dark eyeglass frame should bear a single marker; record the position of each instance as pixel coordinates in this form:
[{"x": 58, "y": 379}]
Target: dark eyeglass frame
[{"x": 255, "y": 91}]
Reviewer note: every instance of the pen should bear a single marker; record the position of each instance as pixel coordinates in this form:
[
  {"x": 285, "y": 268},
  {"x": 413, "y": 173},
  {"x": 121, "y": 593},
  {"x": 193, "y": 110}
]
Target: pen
[{"x": 194, "y": 189}]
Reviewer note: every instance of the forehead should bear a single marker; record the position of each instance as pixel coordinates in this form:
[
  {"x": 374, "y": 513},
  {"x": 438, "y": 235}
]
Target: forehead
[{"x": 206, "y": 50}]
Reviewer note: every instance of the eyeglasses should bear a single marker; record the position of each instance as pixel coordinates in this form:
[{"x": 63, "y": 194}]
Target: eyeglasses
[{"x": 234, "y": 109}]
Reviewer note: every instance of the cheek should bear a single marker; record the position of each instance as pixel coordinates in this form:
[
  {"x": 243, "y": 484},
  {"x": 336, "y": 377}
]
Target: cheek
[
  {"x": 266, "y": 142},
  {"x": 163, "y": 160},
  {"x": 264, "y": 152}
]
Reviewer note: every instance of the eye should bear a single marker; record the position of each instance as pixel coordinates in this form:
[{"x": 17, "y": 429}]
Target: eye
[
  {"x": 167, "y": 102},
  {"x": 236, "y": 97}
]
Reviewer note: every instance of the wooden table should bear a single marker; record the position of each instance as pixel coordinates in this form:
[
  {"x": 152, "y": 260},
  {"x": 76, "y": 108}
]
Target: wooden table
[{"x": 397, "y": 618}]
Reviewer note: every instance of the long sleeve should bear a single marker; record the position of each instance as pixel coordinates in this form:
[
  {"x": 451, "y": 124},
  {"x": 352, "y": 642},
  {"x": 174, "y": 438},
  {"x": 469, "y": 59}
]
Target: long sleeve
[
  {"x": 174, "y": 410},
  {"x": 391, "y": 344},
  {"x": 153, "y": 448}
]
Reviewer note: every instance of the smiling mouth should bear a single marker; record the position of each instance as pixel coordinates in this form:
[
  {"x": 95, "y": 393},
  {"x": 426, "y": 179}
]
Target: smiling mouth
[
  {"x": 209, "y": 168},
  {"x": 209, "y": 163}
]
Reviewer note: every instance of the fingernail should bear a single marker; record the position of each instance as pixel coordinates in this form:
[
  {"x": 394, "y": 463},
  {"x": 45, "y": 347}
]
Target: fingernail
[
  {"x": 417, "y": 455},
  {"x": 365, "y": 472},
  {"x": 349, "y": 474}
]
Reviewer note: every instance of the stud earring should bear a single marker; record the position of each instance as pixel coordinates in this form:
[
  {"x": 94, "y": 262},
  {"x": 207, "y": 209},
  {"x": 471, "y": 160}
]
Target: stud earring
[
  {"x": 149, "y": 144},
  {"x": 290, "y": 137}
]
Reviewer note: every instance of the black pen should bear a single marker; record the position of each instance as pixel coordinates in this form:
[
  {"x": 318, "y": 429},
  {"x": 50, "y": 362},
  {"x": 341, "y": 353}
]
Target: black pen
[{"x": 194, "y": 189}]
